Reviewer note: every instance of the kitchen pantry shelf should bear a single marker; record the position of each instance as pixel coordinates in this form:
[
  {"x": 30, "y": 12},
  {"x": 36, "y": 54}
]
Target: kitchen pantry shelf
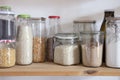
[{"x": 51, "y": 69}]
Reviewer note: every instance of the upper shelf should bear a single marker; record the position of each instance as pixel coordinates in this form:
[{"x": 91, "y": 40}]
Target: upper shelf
[{"x": 51, "y": 69}]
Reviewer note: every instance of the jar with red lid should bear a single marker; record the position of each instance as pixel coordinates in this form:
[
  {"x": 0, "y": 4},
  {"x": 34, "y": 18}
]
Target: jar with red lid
[{"x": 54, "y": 28}]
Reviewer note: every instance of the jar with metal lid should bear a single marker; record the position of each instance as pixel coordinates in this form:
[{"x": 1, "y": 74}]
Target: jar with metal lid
[
  {"x": 66, "y": 49},
  {"x": 54, "y": 28},
  {"x": 7, "y": 53},
  {"x": 113, "y": 42},
  {"x": 7, "y": 23},
  {"x": 24, "y": 40},
  {"x": 39, "y": 39},
  {"x": 92, "y": 48}
]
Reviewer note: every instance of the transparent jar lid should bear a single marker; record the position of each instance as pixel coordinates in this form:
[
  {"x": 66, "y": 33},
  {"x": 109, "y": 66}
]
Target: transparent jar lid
[{"x": 66, "y": 36}]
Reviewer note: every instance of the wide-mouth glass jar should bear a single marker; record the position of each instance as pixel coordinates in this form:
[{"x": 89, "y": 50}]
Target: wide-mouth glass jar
[
  {"x": 92, "y": 48},
  {"x": 66, "y": 49},
  {"x": 7, "y": 53}
]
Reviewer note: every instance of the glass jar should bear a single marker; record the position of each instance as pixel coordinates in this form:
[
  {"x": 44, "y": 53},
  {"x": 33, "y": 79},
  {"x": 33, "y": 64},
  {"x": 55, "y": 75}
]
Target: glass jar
[
  {"x": 7, "y": 53},
  {"x": 7, "y": 23},
  {"x": 24, "y": 40},
  {"x": 54, "y": 28},
  {"x": 66, "y": 49},
  {"x": 92, "y": 48},
  {"x": 84, "y": 25},
  {"x": 39, "y": 39},
  {"x": 113, "y": 42}
]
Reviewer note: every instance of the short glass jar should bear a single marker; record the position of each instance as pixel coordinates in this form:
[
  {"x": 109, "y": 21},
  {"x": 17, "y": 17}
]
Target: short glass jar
[
  {"x": 66, "y": 49},
  {"x": 92, "y": 48}
]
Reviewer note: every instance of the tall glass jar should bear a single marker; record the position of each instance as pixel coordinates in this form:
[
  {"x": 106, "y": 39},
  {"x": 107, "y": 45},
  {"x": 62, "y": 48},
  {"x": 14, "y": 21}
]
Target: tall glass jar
[
  {"x": 92, "y": 48},
  {"x": 24, "y": 41},
  {"x": 7, "y": 37},
  {"x": 113, "y": 42},
  {"x": 39, "y": 39},
  {"x": 66, "y": 49},
  {"x": 7, "y": 23},
  {"x": 54, "y": 27}
]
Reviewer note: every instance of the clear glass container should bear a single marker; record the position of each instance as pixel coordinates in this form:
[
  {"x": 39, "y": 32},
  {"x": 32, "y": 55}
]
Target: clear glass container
[
  {"x": 7, "y": 23},
  {"x": 66, "y": 49},
  {"x": 24, "y": 40},
  {"x": 7, "y": 53},
  {"x": 113, "y": 42},
  {"x": 39, "y": 39},
  {"x": 84, "y": 25},
  {"x": 92, "y": 48},
  {"x": 54, "y": 28}
]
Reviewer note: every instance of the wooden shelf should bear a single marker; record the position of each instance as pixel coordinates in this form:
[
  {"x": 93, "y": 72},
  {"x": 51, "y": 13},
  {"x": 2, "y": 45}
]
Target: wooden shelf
[{"x": 51, "y": 69}]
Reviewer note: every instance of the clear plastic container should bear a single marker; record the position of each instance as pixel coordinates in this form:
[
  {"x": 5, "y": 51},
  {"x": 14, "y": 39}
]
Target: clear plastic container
[
  {"x": 7, "y": 53},
  {"x": 92, "y": 48},
  {"x": 66, "y": 50},
  {"x": 24, "y": 40},
  {"x": 39, "y": 39},
  {"x": 7, "y": 23}
]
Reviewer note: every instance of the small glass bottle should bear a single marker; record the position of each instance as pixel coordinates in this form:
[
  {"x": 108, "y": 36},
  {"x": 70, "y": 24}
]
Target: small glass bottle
[
  {"x": 113, "y": 42},
  {"x": 92, "y": 48},
  {"x": 66, "y": 51},
  {"x": 7, "y": 23},
  {"x": 39, "y": 39},
  {"x": 24, "y": 40},
  {"x": 54, "y": 28}
]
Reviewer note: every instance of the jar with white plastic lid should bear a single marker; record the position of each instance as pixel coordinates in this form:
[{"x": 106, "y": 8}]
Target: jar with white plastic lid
[
  {"x": 7, "y": 23},
  {"x": 66, "y": 49},
  {"x": 24, "y": 40},
  {"x": 7, "y": 53}
]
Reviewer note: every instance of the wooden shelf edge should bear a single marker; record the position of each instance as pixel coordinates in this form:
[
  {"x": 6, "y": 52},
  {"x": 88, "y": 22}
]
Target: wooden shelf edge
[{"x": 51, "y": 69}]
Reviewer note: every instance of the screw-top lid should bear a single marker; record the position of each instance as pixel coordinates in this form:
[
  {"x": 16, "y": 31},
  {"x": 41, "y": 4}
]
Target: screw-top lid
[
  {"x": 23, "y": 16},
  {"x": 54, "y": 17},
  {"x": 5, "y": 8},
  {"x": 85, "y": 21},
  {"x": 109, "y": 10},
  {"x": 38, "y": 19}
]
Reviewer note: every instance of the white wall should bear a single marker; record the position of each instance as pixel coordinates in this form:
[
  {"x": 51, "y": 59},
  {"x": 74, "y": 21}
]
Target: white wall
[{"x": 69, "y": 10}]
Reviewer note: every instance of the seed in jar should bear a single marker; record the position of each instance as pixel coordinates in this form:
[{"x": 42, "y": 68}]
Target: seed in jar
[
  {"x": 7, "y": 57},
  {"x": 38, "y": 49}
]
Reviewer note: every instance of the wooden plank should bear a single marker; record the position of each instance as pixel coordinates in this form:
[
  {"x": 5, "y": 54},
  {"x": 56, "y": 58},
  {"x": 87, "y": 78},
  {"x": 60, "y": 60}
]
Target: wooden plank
[{"x": 51, "y": 69}]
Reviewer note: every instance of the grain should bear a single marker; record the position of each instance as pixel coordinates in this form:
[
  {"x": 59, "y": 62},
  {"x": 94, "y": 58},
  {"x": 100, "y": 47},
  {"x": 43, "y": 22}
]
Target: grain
[
  {"x": 39, "y": 49},
  {"x": 7, "y": 57}
]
